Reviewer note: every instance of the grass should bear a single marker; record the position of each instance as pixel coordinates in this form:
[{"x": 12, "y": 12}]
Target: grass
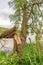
[{"x": 30, "y": 57}]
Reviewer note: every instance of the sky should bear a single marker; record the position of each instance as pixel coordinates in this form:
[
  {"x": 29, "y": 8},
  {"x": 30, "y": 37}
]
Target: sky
[{"x": 5, "y": 11}]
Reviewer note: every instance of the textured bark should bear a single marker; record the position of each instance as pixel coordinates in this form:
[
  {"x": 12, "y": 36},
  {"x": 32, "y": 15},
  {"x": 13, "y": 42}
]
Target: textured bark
[
  {"x": 18, "y": 45},
  {"x": 24, "y": 26}
]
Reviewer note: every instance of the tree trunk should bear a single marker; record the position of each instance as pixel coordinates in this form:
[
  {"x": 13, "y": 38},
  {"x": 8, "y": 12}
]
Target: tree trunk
[
  {"x": 22, "y": 35},
  {"x": 18, "y": 45},
  {"x": 24, "y": 23},
  {"x": 24, "y": 28}
]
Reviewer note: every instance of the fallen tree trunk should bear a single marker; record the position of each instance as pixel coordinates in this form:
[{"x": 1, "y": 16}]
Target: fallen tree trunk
[{"x": 9, "y": 33}]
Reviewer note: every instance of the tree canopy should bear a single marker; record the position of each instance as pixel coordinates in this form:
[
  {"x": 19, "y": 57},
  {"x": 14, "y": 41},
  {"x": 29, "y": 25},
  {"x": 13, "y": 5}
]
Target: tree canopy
[{"x": 30, "y": 10}]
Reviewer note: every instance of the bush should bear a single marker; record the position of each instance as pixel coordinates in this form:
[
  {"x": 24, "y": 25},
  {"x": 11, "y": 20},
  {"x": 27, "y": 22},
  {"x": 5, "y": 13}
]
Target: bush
[
  {"x": 30, "y": 57},
  {"x": 8, "y": 60}
]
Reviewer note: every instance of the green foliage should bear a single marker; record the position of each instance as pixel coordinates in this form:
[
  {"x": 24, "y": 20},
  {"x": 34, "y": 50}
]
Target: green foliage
[
  {"x": 36, "y": 13},
  {"x": 30, "y": 57},
  {"x": 18, "y": 6},
  {"x": 8, "y": 60}
]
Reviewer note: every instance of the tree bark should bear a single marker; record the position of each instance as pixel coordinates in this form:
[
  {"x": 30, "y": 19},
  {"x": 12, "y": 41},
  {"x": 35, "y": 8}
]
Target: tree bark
[
  {"x": 24, "y": 24},
  {"x": 18, "y": 45}
]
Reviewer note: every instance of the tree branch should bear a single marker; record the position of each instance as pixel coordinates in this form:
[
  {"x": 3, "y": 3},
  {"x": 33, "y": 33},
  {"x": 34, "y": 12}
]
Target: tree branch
[
  {"x": 35, "y": 3},
  {"x": 30, "y": 11}
]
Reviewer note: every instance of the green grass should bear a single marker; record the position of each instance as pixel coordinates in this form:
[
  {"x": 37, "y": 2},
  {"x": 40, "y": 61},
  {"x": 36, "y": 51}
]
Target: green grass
[
  {"x": 33, "y": 56},
  {"x": 30, "y": 57},
  {"x": 2, "y": 30}
]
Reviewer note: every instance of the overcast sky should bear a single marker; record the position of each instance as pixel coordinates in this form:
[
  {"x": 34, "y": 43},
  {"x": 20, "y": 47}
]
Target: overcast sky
[
  {"x": 4, "y": 14},
  {"x": 5, "y": 11}
]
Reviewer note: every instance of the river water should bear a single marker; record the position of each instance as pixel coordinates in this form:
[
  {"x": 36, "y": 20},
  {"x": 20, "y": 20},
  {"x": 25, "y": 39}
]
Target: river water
[{"x": 8, "y": 45}]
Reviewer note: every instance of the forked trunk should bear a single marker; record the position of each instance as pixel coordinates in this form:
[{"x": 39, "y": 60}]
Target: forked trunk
[{"x": 19, "y": 47}]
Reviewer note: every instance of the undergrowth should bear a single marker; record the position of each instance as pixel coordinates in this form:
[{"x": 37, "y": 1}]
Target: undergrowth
[{"x": 30, "y": 57}]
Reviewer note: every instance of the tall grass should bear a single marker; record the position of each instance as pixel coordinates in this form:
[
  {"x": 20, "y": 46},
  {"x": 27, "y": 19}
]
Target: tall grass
[{"x": 31, "y": 56}]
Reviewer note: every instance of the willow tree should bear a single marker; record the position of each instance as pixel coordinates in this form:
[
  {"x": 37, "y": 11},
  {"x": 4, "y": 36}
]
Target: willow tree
[
  {"x": 24, "y": 10},
  {"x": 36, "y": 27}
]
